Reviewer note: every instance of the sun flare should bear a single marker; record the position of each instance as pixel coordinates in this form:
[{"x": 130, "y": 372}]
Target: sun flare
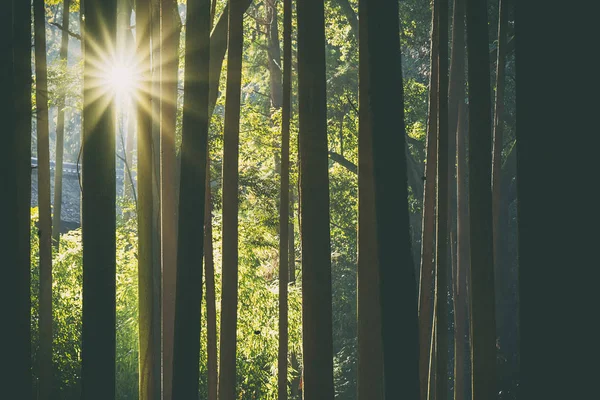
[{"x": 122, "y": 80}]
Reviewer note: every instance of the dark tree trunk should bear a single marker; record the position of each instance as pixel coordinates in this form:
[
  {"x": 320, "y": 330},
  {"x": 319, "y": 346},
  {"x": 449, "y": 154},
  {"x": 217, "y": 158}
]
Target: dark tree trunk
[
  {"x": 499, "y": 208},
  {"x": 456, "y": 95},
  {"x": 284, "y": 201},
  {"x": 442, "y": 265},
  {"x": 426, "y": 280},
  {"x": 314, "y": 198},
  {"x": 171, "y": 27},
  {"x": 227, "y": 375},
  {"x": 60, "y": 132},
  {"x": 370, "y": 351},
  {"x": 147, "y": 355},
  {"x": 190, "y": 238},
  {"x": 398, "y": 295},
  {"x": 45, "y": 222},
  {"x": 211, "y": 310},
  {"x": 483, "y": 320},
  {"x": 15, "y": 180},
  {"x": 460, "y": 297},
  {"x": 98, "y": 210}
]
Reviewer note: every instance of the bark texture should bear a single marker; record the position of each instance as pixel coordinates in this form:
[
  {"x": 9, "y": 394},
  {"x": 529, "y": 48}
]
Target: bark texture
[
  {"x": 314, "y": 199},
  {"x": 98, "y": 210}
]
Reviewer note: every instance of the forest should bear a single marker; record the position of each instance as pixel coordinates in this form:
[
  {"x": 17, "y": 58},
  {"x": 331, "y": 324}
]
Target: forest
[{"x": 278, "y": 199}]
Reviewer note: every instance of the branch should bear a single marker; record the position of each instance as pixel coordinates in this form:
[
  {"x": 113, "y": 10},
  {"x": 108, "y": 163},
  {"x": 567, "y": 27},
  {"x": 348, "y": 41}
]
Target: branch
[
  {"x": 343, "y": 161},
  {"x": 72, "y": 34}
]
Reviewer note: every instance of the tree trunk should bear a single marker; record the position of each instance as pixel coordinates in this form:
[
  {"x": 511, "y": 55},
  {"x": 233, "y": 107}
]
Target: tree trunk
[
  {"x": 171, "y": 27},
  {"x": 483, "y": 321},
  {"x": 15, "y": 180},
  {"x": 398, "y": 295},
  {"x": 462, "y": 258},
  {"x": 501, "y": 267},
  {"x": 147, "y": 355},
  {"x": 227, "y": 375},
  {"x": 442, "y": 265},
  {"x": 426, "y": 280},
  {"x": 317, "y": 328},
  {"x": 190, "y": 239},
  {"x": 98, "y": 210},
  {"x": 370, "y": 351},
  {"x": 45, "y": 222},
  {"x": 60, "y": 132},
  {"x": 456, "y": 95},
  {"x": 284, "y": 201},
  {"x": 211, "y": 311}
]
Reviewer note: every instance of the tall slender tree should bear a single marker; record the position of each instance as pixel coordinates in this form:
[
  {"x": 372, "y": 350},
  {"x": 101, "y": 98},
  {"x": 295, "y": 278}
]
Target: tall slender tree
[
  {"x": 15, "y": 179},
  {"x": 186, "y": 349},
  {"x": 45, "y": 222},
  {"x": 227, "y": 374},
  {"x": 387, "y": 133},
  {"x": 170, "y": 32},
  {"x": 370, "y": 352},
  {"x": 426, "y": 279},
  {"x": 483, "y": 322},
  {"x": 456, "y": 95},
  {"x": 147, "y": 353},
  {"x": 441, "y": 259},
  {"x": 98, "y": 206},
  {"x": 60, "y": 130},
  {"x": 314, "y": 198},
  {"x": 211, "y": 309},
  {"x": 284, "y": 202}
]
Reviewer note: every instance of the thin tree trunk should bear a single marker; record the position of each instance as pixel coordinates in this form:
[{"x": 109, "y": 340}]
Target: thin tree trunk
[
  {"x": 190, "y": 239},
  {"x": 45, "y": 222},
  {"x": 15, "y": 180},
  {"x": 156, "y": 102},
  {"x": 442, "y": 265},
  {"x": 147, "y": 355},
  {"x": 483, "y": 321},
  {"x": 98, "y": 210},
  {"x": 227, "y": 375},
  {"x": 456, "y": 94},
  {"x": 394, "y": 255},
  {"x": 60, "y": 132},
  {"x": 370, "y": 351},
  {"x": 426, "y": 280},
  {"x": 314, "y": 196},
  {"x": 284, "y": 201},
  {"x": 171, "y": 26},
  {"x": 211, "y": 310},
  {"x": 462, "y": 259},
  {"x": 501, "y": 267}
]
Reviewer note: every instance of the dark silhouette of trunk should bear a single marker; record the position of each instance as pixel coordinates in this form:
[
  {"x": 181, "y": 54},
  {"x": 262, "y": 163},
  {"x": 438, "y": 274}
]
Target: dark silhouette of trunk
[
  {"x": 457, "y": 145},
  {"x": 15, "y": 180},
  {"x": 370, "y": 351},
  {"x": 442, "y": 265},
  {"x": 274, "y": 58},
  {"x": 317, "y": 328},
  {"x": 190, "y": 238},
  {"x": 227, "y": 374},
  {"x": 460, "y": 296},
  {"x": 147, "y": 353},
  {"x": 501, "y": 266},
  {"x": 45, "y": 222},
  {"x": 284, "y": 201},
  {"x": 60, "y": 131},
  {"x": 211, "y": 310},
  {"x": 171, "y": 27},
  {"x": 383, "y": 71},
  {"x": 426, "y": 279},
  {"x": 483, "y": 320},
  {"x": 156, "y": 49},
  {"x": 98, "y": 209}
]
